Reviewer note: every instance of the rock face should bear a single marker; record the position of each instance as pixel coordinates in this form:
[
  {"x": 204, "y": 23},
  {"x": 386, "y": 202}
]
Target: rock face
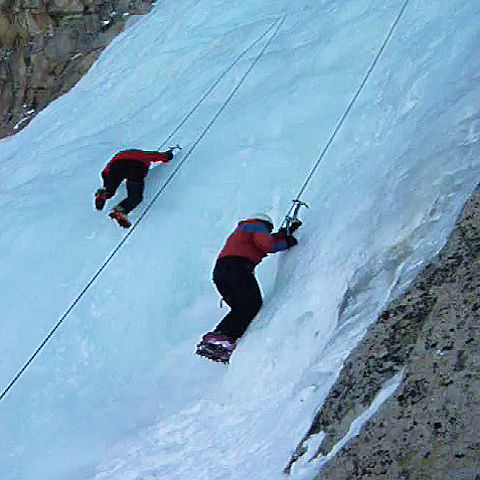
[
  {"x": 430, "y": 427},
  {"x": 46, "y": 46}
]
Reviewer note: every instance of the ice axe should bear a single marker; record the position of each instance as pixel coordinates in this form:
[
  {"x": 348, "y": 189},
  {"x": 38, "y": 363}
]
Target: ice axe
[
  {"x": 171, "y": 149},
  {"x": 291, "y": 221},
  {"x": 175, "y": 147}
]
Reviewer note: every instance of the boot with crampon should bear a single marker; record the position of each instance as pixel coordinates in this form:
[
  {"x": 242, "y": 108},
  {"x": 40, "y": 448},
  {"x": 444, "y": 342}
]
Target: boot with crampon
[
  {"x": 216, "y": 347},
  {"x": 118, "y": 214},
  {"x": 101, "y": 196}
]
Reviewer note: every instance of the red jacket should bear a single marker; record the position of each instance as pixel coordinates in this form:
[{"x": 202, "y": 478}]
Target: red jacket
[
  {"x": 144, "y": 156},
  {"x": 252, "y": 240}
]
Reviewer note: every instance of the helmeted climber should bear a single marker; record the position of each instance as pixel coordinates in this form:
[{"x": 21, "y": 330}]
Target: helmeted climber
[
  {"x": 132, "y": 166},
  {"x": 235, "y": 280}
]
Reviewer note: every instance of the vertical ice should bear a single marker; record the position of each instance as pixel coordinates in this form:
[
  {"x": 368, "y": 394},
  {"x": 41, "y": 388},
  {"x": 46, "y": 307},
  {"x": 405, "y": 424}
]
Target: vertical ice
[{"x": 117, "y": 394}]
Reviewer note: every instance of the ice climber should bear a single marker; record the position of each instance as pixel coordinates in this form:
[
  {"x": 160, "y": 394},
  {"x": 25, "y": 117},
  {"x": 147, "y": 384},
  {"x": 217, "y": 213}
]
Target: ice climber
[
  {"x": 132, "y": 166},
  {"x": 235, "y": 280}
]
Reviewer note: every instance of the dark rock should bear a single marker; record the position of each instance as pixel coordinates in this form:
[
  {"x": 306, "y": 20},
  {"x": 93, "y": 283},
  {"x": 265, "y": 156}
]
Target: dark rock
[
  {"x": 430, "y": 427},
  {"x": 46, "y": 46}
]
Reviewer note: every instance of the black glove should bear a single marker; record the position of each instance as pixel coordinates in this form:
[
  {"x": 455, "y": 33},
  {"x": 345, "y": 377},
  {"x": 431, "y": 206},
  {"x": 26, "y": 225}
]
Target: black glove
[
  {"x": 295, "y": 225},
  {"x": 291, "y": 241}
]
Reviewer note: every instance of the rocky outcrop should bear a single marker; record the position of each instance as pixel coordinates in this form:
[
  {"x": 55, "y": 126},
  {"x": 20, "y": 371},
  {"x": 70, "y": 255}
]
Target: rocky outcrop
[
  {"x": 46, "y": 46},
  {"x": 430, "y": 427}
]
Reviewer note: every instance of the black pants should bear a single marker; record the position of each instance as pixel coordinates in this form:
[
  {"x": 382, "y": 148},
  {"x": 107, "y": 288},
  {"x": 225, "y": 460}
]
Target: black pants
[
  {"x": 236, "y": 282},
  {"x": 134, "y": 173}
]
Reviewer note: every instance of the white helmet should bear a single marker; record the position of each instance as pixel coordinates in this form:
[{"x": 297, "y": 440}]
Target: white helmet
[{"x": 261, "y": 216}]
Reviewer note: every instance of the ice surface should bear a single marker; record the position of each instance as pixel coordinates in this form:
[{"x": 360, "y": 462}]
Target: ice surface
[{"x": 117, "y": 393}]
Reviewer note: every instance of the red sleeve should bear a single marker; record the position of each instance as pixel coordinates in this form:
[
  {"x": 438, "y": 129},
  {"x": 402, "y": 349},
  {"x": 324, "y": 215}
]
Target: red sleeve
[
  {"x": 264, "y": 241},
  {"x": 144, "y": 155},
  {"x": 164, "y": 157}
]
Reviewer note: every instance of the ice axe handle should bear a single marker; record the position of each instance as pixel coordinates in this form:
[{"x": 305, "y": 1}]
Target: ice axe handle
[
  {"x": 298, "y": 204},
  {"x": 292, "y": 222}
]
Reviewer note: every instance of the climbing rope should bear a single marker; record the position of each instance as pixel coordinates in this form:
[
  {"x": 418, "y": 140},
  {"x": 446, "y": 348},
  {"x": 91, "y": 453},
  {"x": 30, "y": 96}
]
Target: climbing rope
[
  {"x": 346, "y": 113},
  {"x": 209, "y": 91},
  {"x": 212, "y": 121},
  {"x": 278, "y": 23}
]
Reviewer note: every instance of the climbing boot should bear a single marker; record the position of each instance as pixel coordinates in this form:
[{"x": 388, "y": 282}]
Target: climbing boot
[
  {"x": 118, "y": 214},
  {"x": 101, "y": 196}
]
